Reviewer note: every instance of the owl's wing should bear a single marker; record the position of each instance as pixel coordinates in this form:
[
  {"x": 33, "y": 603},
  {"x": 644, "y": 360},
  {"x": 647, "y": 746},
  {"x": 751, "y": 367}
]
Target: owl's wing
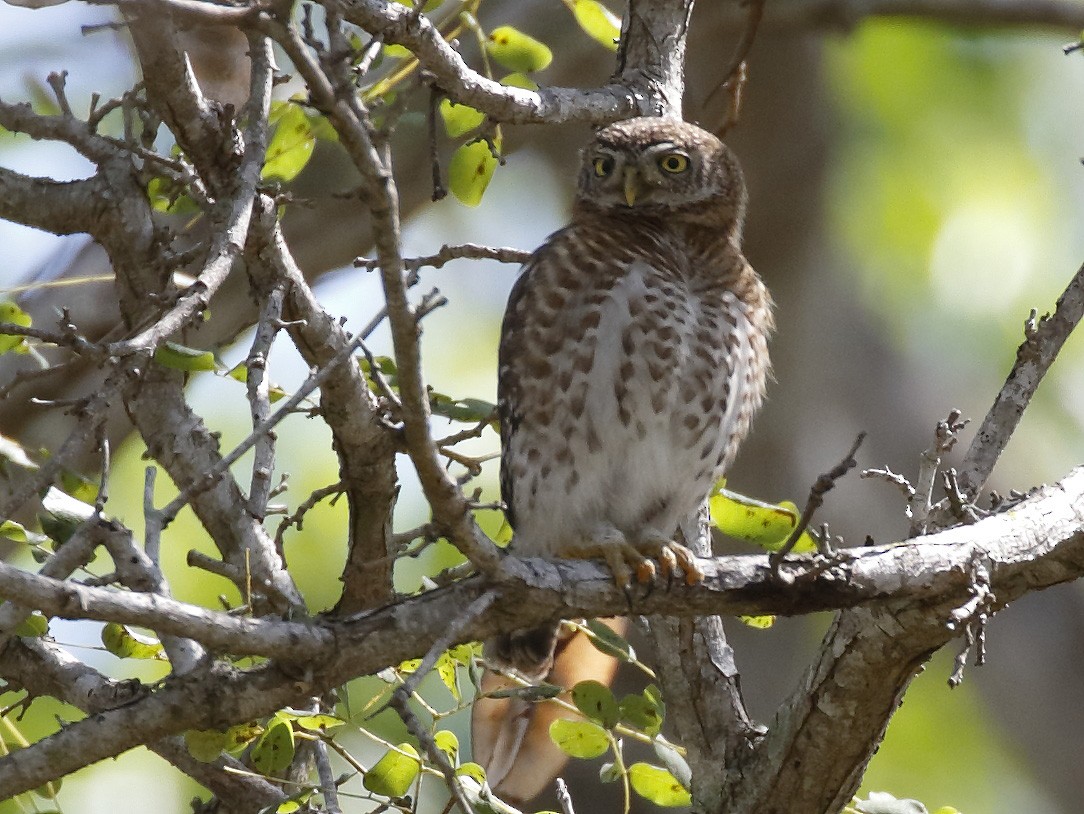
[{"x": 509, "y": 384}]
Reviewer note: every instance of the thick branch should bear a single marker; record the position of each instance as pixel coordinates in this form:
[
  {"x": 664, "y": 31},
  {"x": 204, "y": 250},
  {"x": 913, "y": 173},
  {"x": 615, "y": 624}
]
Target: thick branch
[{"x": 1041, "y": 543}]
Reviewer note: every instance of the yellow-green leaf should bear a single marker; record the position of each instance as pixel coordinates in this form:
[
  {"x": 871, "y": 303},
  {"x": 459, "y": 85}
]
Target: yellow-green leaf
[
  {"x": 274, "y": 751},
  {"x": 241, "y": 735},
  {"x": 448, "y": 743},
  {"x": 166, "y": 195},
  {"x": 127, "y": 644},
  {"x": 205, "y": 745},
  {"x": 447, "y": 672},
  {"x": 582, "y": 739},
  {"x": 318, "y": 723},
  {"x": 470, "y": 171},
  {"x": 10, "y": 312},
  {"x": 596, "y": 702},
  {"x": 239, "y": 373},
  {"x": 10, "y": 530},
  {"x": 656, "y": 784},
  {"x": 179, "y": 357},
  {"x": 518, "y": 51},
  {"x": 758, "y": 622},
  {"x": 472, "y": 769},
  {"x": 601, "y": 24},
  {"x": 392, "y": 775},
  {"x": 767, "y": 525},
  {"x": 519, "y": 80},
  {"x": 33, "y": 626},
  {"x": 429, "y": 4},
  {"x": 459, "y": 119},
  {"x": 291, "y": 144}
]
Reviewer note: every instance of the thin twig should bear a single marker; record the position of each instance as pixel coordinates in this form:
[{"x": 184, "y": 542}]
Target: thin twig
[
  {"x": 735, "y": 75},
  {"x": 822, "y": 486},
  {"x": 1033, "y": 358},
  {"x": 259, "y": 399}
]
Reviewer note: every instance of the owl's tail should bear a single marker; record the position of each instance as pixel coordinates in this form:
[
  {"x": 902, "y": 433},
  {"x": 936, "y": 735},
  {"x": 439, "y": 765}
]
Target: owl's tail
[
  {"x": 529, "y": 653},
  {"x": 510, "y": 733}
]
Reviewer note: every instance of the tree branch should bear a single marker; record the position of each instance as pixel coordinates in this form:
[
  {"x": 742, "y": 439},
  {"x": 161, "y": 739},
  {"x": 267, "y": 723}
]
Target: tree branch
[{"x": 1041, "y": 543}]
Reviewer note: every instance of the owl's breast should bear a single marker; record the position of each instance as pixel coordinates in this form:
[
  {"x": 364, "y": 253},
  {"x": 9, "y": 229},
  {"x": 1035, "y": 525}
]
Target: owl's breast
[{"x": 641, "y": 404}]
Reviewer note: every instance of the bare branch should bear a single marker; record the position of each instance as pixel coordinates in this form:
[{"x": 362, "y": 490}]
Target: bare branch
[
  {"x": 1034, "y": 357},
  {"x": 919, "y": 582}
]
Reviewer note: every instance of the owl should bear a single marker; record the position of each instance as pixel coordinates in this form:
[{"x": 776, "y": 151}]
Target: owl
[{"x": 633, "y": 356}]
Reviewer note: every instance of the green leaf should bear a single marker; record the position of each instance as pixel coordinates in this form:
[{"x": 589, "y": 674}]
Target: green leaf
[
  {"x": 10, "y": 312},
  {"x": 448, "y": 743},
  {"x": 126, "y": 644},
  {"x": 610, "y": 643},
  {"x": 470, "y": 171},
  {"x": 392, "y": 775},
  {"x": 758, "y": 622},
  {"x": 205, "y": 745},
  {"x": 472, "y": 769},
  {"x": 241, "y": 735},
  {"x": 75, "y": 485},
  {"x": 409, "y": 666},
  {"x": 519, "y": 80},
  {"x": 447, "y": 672},
  {"x": 596, "y": 702},
  {"x": 291, "y": 144},
  {"x": 601, "y": 24},
  {"x": 656, "y": 784},
  {"x": 62, "y": 514},
  {"x": 33, "y": 626},
  {"x": 765, "y": 524},
  {"x": 644, "y": 711},
  {"x": 319, "y": 723},
  {"x": 469, "y": 410},
  {"x": 15, "y": 532},
  {"x": 239, "y": 373},
  {"x": 582, "y": 739},
  {"x": 179, "y": 357},
  {"x": 168, "y": 196},
  {"x": 429, "y": 4},
  {"x": 466, "y": 653},
  {"x": 274, "y": 751},
  {"x": 518, "y": 51},
  {"x": 459, "y": 119}
]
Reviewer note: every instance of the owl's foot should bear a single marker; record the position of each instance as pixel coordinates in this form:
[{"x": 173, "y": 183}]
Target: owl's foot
[
  {"x": 671, "y": 556},
  {"x": 642, "y": 560}
]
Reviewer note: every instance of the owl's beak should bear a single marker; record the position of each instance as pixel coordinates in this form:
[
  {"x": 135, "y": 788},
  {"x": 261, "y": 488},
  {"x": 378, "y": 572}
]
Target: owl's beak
[{"x": 633, "y": 185}]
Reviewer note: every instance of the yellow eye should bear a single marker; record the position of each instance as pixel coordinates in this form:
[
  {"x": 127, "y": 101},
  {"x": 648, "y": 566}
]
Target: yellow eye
[
  {"x": 674, "y": 162},
  {"x": 604, "y": 165}
]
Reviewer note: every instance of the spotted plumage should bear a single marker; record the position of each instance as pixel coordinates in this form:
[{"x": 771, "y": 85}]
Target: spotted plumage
[{"x": 633, "y": 356}]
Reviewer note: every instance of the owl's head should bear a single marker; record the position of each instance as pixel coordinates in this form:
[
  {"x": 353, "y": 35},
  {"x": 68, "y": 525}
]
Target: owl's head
[{"x": 662, "y": 168}]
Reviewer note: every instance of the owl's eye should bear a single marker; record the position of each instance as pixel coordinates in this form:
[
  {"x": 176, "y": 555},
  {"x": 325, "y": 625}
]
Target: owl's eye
[
  {"x": 604, "y": 165},
  {"x": 674, "y": 163}
]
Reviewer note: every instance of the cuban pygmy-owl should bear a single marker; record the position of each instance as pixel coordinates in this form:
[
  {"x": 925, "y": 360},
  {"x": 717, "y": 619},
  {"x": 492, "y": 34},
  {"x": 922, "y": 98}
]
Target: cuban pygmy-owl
[{"x": 633, "y": 356}]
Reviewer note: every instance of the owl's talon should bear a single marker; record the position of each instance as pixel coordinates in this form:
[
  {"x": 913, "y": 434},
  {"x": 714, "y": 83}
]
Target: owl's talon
[{"x": 645, "y": 572}]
